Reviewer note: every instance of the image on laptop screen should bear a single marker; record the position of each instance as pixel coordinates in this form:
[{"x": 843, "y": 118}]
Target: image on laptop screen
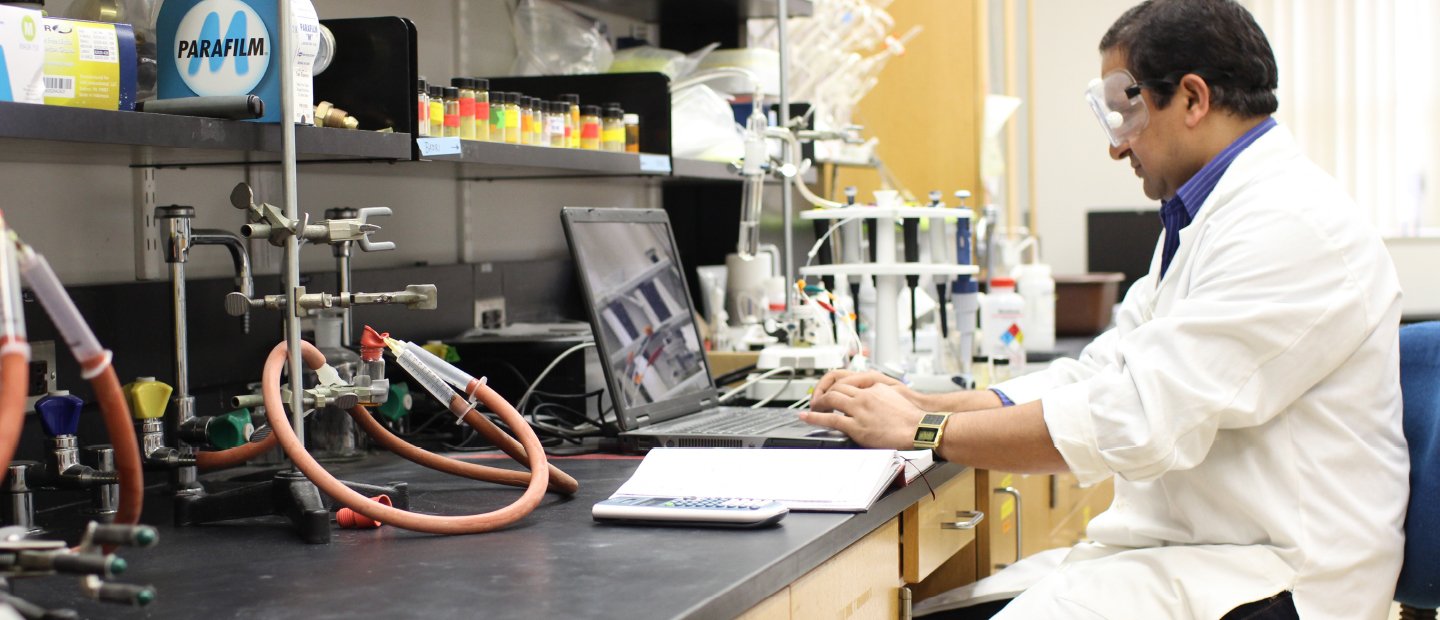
[{"x": 645, "y": 327}]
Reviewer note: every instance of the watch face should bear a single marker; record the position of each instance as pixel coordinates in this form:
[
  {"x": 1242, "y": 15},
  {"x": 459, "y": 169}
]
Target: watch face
[
  {"x": 932, "y": 419},
  {"x": 925, "y": 435}
]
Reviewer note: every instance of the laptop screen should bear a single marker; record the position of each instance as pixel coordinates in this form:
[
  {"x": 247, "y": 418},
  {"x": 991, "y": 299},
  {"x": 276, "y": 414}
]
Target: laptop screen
[{"x": 644, "y": 329}]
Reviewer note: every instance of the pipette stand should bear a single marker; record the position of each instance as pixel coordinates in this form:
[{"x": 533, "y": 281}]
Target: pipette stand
[{"x": 888, "y": 272}]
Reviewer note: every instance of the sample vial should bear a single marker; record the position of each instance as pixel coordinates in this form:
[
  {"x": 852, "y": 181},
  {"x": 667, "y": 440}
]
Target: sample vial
[
  {"x": 512, "y": 118},
  {"x": 632, "y": 133},
  {"x": 572, "y": 120},
  {"x": 537, "y": 124},
  {"x": 437, "y": 110},
  {"x": 527, "y": 120},
  {"x": 590, "y": 127},
  {"x": 482, "y": 108},
  {"x": 452, "y": 112},
  {"x": 422, "y": 121},
  {"x": 559, "y": 111},
  {"x": 547, "y": 111},
  {"x": 466, "y": 87},
  {"x": 497, "y": 116},
  {"x": 612, "y": 137}
]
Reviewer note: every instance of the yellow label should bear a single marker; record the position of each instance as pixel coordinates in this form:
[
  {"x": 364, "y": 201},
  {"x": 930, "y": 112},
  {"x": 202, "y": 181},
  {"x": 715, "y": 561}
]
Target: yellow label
[
  {"x": 1007, "y": 508},
  {"x": 82, "y": 64}
]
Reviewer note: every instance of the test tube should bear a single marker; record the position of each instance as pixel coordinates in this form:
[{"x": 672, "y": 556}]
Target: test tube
[
  {"x": 497, "y": 116},
  {"x": 613, "y": 132},
  {"x": 632, "y": 133},
  {"x": 437, "y": 110},
  {"x": 590, "y": 128},
  {"x": 572, "y": 120},
  {"x": 512, "y": 118},
  {"x": 466, "y": 88},
  {"x": 559, "y": 111},
  {"x": 422, "y": 124},
  {"x": 482, "y": 108}
]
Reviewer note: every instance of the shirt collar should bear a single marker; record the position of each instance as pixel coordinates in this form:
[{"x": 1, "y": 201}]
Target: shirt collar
[{"x": 1194, "y": 192}]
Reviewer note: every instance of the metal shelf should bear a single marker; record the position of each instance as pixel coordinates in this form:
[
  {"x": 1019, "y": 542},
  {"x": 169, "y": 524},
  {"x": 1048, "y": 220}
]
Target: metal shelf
[
  {"x": 57, "y": 134},
  {"x": 649, "y": 10},
  {"x": 702, "y": 170},
  {"x": 496, "y": 160}
]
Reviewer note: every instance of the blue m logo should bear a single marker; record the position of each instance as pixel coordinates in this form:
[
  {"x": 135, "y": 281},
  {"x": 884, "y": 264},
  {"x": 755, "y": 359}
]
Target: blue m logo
[
  {"x": 222, "y": 48},
  {"x": 210, "y": 31}
]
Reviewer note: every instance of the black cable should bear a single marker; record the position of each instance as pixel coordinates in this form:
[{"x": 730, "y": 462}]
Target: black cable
[{"x": 734, "y": 375}]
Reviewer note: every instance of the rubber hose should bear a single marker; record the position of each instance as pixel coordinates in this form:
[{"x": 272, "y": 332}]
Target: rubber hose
[
  {"x": 121, "y": 429},
  {"x": 433, "y": 524},
  {"x": 14, "y": 376},
  {"x": 501, "y": 439},
  {"x": 221, "y": 459},
  {"x": 560, "y": 482}
]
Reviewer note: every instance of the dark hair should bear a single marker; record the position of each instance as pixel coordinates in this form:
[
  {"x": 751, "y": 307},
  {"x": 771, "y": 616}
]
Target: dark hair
[{"x": 1216, "y": 39}]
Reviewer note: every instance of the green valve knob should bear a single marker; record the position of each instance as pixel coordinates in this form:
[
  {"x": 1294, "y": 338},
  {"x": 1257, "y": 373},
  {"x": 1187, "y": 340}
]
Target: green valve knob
[
  {"x": 117, "y": 565},
  {"x": 230, "y": 430},
  {"x": 397, "y": 404},
  {"x": 145, "y": 596},
  {"x": 146, "y": 536},
  {"x": 147, "y": 398}
]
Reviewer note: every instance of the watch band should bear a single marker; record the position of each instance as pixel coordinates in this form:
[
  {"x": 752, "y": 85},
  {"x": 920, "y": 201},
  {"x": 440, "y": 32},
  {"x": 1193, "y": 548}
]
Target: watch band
[{"x": 931, "y": 430}]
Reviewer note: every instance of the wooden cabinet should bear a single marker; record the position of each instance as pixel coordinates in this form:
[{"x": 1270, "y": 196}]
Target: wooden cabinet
[
  {"x": 1043, "y": 512},
  {"x": 936, "y": 528},
  {"x": 863, "y": 581}
]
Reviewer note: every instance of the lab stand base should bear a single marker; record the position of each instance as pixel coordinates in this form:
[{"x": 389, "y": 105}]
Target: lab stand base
[{"x": 287, "y": 493}]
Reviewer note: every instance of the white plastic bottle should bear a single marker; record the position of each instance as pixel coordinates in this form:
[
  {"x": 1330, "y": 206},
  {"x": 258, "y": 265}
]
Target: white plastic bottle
[
  {"x": 1035, "y": 284},
  {"x": 1002, "y": 319}
]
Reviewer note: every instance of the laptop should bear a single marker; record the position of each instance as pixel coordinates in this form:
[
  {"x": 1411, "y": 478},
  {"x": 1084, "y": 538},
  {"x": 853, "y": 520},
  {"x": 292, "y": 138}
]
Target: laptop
[{"x": 649, "y": 345}]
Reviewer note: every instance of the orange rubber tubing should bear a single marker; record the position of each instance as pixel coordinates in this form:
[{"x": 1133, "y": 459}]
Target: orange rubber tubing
[
  {"x": 14, "y": 376},
  {"x": 122, "y": 438},
  {"x": 221, "y": 459},
  {"x": 560, "y": 482},
  {"x": 433, "y": 524}
]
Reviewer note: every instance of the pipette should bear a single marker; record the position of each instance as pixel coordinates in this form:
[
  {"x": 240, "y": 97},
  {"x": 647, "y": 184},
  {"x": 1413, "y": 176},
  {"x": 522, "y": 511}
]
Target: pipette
[{"x": 911, "y": 228}]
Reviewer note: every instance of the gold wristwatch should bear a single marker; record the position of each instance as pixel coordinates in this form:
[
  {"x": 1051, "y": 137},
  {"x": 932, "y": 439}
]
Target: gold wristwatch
[{"x": 931, "y": 430}]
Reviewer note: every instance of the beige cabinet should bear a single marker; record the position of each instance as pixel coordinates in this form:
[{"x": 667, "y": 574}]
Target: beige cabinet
[{"x": 1040, "y": 512}]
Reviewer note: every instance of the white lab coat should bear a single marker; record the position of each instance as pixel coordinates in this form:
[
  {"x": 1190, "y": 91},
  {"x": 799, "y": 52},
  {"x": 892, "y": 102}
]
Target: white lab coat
[{"x": 1248, "y": 407}]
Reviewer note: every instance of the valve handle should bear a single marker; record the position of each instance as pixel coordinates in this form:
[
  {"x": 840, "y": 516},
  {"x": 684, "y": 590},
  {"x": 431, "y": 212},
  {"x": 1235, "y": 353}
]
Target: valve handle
[
  {"x": 366, "y": 244},
  {"x": 59, "y": 413},
  {"x": 147, "y": 398}
]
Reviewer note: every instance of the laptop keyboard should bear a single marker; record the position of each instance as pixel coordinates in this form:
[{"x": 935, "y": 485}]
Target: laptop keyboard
[{"x": 735, "y": 421}]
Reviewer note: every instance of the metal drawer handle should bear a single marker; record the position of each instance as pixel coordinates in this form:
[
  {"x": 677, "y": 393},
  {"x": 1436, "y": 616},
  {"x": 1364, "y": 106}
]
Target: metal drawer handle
[{"x": 970, "y": 519}]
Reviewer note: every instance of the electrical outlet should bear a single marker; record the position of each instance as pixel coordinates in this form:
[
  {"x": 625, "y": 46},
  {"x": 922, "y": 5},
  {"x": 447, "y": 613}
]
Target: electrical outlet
[
  {"x": 490, "y": 312},
  {"x": 42, "y": 372}
]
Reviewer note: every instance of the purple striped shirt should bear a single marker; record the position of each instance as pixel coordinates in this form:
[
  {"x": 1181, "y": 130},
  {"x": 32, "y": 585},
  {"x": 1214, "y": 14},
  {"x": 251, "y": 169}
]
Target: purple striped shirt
[{"x": 1177, "y": 213}]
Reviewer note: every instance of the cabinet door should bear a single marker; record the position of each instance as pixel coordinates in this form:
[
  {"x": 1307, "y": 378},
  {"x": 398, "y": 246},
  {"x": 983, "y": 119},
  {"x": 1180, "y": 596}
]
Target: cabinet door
[
  {"x": 1019, "y": 511},
  {"x": 934, "y": 529}
]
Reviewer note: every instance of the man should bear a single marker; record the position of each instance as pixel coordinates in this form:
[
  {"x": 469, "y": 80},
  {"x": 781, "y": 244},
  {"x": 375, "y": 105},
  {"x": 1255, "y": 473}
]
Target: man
[{"x": 1247, "y": 400}]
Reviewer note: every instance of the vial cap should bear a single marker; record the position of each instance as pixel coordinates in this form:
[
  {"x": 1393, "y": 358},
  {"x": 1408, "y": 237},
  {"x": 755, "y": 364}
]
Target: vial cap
[
  {"x": 1002, "y": 283},
  {"x": 614, "y": 112},
  {"x": 436, "y": 91},
  {"x": 460, "y": 82},
  {"x": 574, "y": 99},
  {"x": 482, "y": 83},
  {"x": 512, "y": 98},
  {"x": 451, "y": 92},
  {"x": 420, "y": 83},
  {"x": 590, "y": 110},
  {"x": 632, "y": 119}
]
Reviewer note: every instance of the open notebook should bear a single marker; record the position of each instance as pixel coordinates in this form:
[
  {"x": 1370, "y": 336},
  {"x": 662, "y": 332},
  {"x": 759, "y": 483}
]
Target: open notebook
[{"x": 801, "y": 479}]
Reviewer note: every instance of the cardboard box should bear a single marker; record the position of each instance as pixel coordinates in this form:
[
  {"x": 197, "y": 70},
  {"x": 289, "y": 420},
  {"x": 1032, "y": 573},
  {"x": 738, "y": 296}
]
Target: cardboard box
[
  {"x": 89, "y": 64},
  {"x": 22, "y": 55}
]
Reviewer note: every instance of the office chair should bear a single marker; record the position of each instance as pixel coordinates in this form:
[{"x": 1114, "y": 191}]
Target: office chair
[{"x": 1418, "y": 590}]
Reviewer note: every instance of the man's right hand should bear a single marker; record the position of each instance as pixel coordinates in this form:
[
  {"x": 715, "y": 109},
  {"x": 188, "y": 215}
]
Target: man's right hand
[{"x": 973, "y": 400}]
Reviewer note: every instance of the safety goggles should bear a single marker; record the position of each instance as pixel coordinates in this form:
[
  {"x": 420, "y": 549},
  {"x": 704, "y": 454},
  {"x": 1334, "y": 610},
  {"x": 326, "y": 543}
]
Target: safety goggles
[{"x": 1117, "y": 104}]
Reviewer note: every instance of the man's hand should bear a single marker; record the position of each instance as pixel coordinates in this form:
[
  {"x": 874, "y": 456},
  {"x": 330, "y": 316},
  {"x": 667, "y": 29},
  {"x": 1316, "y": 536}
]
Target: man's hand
[
  {"x": 860, "y": 380},
  {"x": 878, "y": 416}
]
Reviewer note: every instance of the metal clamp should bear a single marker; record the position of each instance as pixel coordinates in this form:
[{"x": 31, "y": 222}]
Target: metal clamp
[{"x": 969, "y": 519}]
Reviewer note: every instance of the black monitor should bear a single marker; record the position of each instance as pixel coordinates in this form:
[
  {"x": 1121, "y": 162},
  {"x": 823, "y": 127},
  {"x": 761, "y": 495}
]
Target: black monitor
[{"x": 1122, "y": 241}]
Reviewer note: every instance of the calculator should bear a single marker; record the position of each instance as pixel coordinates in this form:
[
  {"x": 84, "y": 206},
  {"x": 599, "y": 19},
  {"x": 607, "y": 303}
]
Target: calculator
[{"x": 695, "y": 511}]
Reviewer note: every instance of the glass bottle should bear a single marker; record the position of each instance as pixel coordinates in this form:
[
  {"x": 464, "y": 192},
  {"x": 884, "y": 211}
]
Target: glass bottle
[
  {"x": 422, "y": 121},
  {"x": 572, "y": 120},
  {"x": 141, "y": 15},
  {"x": 452, "y": 112},
  {"x": 497, "y": 116},
  {"x": 512, "y": 118},
  {"x": 466, "y": 87},
  {"x": 559, "y": 111},
  {"x": 590, "y": 127},
  {"x": 612, "y": 136},
  {"x": 537, "y": 125},
  {"x": 632, "y": 133},
  {"x": 482, "y": 108},
  {"x": 437, "y": 110}
]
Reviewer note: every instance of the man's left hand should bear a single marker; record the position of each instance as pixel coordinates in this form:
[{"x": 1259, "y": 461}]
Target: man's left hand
[{"x": 879, "y": 416}]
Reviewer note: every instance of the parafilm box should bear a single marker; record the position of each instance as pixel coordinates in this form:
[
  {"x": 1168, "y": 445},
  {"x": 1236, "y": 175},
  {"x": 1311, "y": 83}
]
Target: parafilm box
[
  {"x": 22, "y": 55},
  {"x": 89, "y": 64}
]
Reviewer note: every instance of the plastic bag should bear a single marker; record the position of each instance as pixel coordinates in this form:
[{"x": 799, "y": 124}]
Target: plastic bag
[
  {"x": 553, "y": 40},
  {"x": 702, "y": 126}
]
